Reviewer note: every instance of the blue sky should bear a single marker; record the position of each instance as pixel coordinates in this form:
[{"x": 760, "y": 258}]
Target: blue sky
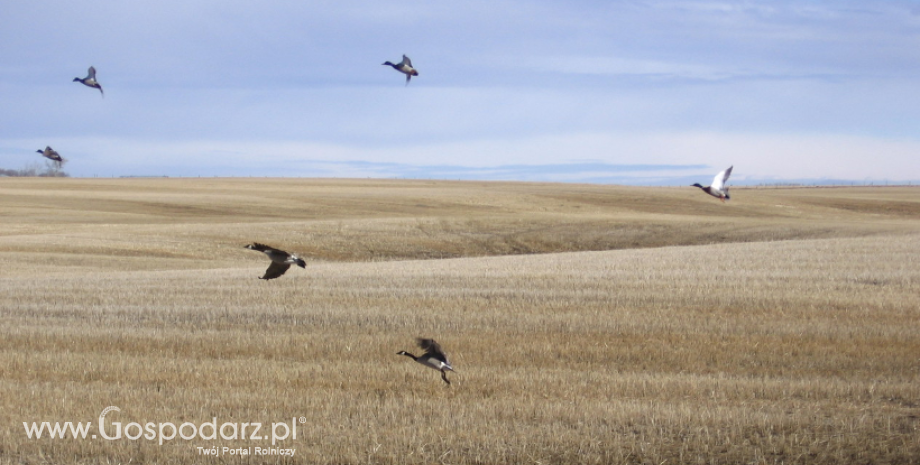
[{"x": 632, "y": 92}]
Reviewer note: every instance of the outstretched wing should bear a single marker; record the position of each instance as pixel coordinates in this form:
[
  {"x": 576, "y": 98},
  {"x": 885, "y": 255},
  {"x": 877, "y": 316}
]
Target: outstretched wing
[
  {"x": 91, "y": 73},
  {"x": 433, "y": 349},
  {"x": 266, "y": 248},
  {"x": 719, "y": 181},
  {"x": 407, "y": 61},
  {"x": 275, "y": 269}
]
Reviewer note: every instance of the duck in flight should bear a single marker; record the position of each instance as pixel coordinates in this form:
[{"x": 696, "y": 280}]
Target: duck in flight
[
  {"x": 90, "y": 80},
  {"x": 718, "y": 189},
  {"x": 405, "y": 67},
  {"x": 434, "y": 357},
  {"x": 281, "y": 260},
  {"x": 51, "y": 154}
]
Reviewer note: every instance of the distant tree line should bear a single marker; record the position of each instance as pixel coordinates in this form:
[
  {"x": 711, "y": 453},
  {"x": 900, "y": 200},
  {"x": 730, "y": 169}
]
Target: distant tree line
[{"x": 49, "y": 170}]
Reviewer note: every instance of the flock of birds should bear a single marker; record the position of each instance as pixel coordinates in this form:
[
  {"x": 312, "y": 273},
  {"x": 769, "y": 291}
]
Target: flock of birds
[
  {"x": 404, "y": 66},
  {"x": 717, "y": 189},
  {"x": 434, "y": 356},
  {"x": 89, "y": 81}
]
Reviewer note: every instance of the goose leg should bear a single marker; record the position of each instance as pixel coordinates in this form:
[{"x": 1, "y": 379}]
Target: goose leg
[{"x": 444, "y": 377}]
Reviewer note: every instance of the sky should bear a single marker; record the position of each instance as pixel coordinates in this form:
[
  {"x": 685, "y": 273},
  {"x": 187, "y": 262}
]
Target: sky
[{"x": 625, "y": 92}]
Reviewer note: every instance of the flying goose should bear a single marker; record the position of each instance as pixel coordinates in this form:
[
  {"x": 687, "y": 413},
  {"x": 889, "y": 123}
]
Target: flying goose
[
  {"x": 90, "y": 80},
  {"x": 281, "y": 260},
  {"x": 434, "y": 357},
  {"x": 718, "y": 189},
  {"x": 405, "y": 67},
  {"x": 51, "y": 154}
]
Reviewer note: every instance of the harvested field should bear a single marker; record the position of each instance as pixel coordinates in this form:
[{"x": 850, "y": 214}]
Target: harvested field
[{"x": 586, "y": 323}]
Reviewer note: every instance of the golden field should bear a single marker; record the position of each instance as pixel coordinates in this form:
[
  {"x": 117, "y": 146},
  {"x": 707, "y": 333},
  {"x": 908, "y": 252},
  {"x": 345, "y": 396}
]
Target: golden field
[{"x": 586, "y": 323}]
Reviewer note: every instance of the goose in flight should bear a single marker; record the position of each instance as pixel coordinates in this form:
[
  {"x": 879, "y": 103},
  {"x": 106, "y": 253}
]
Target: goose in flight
[
  {"x": 434, "y": 357},
  {"x": 718, "y": 189},
  {"x": 405, "y": 67},
  {"x": 90, "y": 80},
  {"x": 51, "y": 154},
  {"x": 281, "y": 260}
]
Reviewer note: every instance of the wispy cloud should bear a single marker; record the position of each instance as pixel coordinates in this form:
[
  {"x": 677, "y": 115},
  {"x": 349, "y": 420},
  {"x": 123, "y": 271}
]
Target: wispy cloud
[{"x": 782, "y": 89}]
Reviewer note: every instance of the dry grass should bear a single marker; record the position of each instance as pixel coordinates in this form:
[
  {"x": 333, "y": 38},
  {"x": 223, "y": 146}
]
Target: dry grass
[{"x": 799, "y": 345}]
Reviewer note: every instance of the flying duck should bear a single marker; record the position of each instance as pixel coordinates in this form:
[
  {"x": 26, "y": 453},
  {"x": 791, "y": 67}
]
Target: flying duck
[
  {"x": 281, "y": 260},
  {"x": 51, "y": 154},
  {"x": 434, "y": 357},
  {"x": 90, "y": 80},
  {"x": 718, "y": 189},
  {"x": 405, "y": 67}
]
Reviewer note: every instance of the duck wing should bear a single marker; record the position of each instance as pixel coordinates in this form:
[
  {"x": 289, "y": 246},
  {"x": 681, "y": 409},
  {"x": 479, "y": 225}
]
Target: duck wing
[
  {"x": 719, "y": 181},
  {"x": 406, "y": 61},
  {"x": 91, "y": 73}
]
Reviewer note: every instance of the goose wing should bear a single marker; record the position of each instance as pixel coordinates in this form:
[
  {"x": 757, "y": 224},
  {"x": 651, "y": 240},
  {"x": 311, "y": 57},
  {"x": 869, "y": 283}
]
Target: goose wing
[
  {"x": 266, "y": 248},
  {"x": 719, "y": 181},
  {"x": 433, "y": 349},
  {"x": 275, "y": 269}
]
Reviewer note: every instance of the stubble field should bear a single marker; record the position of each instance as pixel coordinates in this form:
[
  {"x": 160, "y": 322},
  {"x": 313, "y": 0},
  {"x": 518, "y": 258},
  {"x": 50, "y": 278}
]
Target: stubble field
[{"x": 586, "y": 323}]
